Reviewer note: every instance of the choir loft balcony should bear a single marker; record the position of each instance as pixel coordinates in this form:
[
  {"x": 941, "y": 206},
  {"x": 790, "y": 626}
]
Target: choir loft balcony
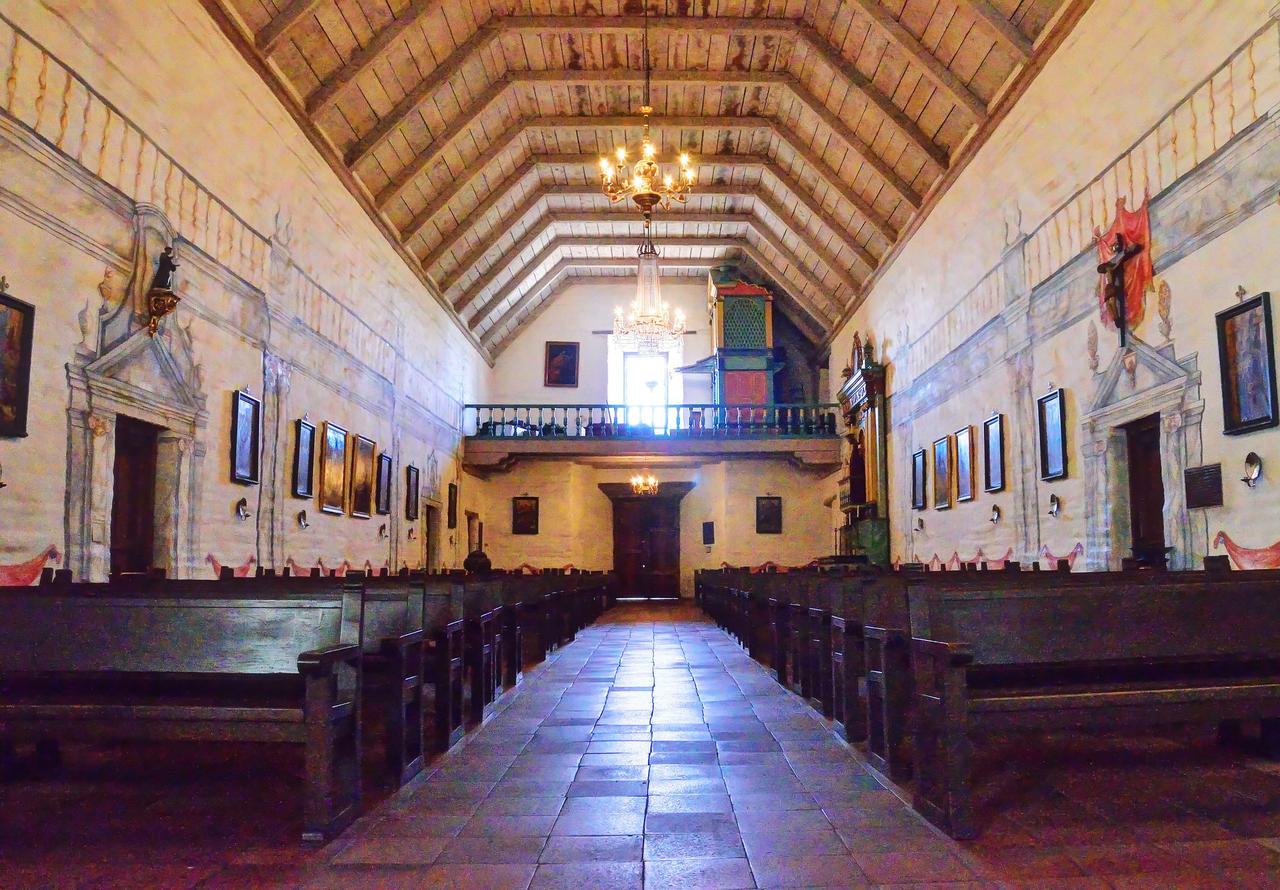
[{"x": 500, "y": 436}]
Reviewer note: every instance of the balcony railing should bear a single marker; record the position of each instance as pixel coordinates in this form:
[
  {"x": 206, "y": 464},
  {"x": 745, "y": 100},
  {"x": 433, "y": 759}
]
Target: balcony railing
[{"x": 633, "y": 422}]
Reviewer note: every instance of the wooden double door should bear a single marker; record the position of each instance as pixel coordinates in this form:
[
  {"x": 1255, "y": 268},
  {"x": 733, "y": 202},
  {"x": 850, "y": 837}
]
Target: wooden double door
[{"x": 646, "y": 546}]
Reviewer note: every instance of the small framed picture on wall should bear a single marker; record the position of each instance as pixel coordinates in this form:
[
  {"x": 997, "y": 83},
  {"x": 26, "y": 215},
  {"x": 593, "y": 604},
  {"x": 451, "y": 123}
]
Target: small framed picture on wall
[
  {"x": 382, "y": 500},
  {"x": 942, "y": 470},
  {"x": 17, "y": 320},
  {"x": 561, "y": 366},
  {"x": 333, "y": 469},
  {"x": 1052, "y": 426},
  {"x": 1246, "y": 358},
  {"x": 524, "y": 516},
  {"x": 993, "y": 452},
  {"x": 411, "y": 493},
  {"x": 769, "y": 516},
  {"x": 246, "y": 437},
  {"x": 304, "y": 458},
  {"x": 919, "y": 497},
  {"x": 363, "y": 472},
  {"x": 964, "y": 465}
]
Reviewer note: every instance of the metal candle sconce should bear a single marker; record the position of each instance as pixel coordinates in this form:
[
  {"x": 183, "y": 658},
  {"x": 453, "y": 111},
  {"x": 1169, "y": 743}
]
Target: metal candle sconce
[
  {"x": 413, "y": 533},
  {"x": 382, "y": 532},
  {"x": 242, "y": 509},
  {"x": 1055, "y": 505},
  {"x": 995, "y": 513},
  {"x": 1252, "y": 469},
  {"x": 919, "y": 525},
  {"x": 2, "y": 482},
  {"x": 302, "y": 519}
]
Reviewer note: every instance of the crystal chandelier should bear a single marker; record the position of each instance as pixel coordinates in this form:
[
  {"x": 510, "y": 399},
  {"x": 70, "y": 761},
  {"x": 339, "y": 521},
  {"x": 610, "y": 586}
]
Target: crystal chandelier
[
  {"x": 643, "y": 485},
  {"x": 650, "y": 327}
]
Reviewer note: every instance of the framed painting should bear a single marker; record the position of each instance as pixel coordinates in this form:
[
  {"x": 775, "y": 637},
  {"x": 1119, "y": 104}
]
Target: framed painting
[
  {"x": 964, "y": 464},
  {"x": 919, "y": 497},
  {"x": 708, "y": 533},
  {"x": 451, "y": 507},
  {"x": 246, "y": 437},
  {"x": 942, "y": 470},
  {"x": 363, "y": 476},
  {"x": 524, "y": 516},
  {"x": 1246, "y": 358},
  {"x": 993, "y": 452},
  {"x": 304, "y": 459},
  {"x": 411, "y": 483},
  {"x": 382, "y": 498},
  {"x": 17, "y": 319},
  {"x": 333, "y": 469},
  {"x": 1052, "y": 426},
  {"x": 561, "y": 364},
  {"x": 769, "y": 516}
]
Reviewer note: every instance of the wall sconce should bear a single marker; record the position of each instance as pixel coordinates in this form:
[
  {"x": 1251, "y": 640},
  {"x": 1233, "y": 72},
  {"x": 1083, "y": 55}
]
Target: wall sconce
[
  {"x": 995, "y": 513},
  {"x": 1055, "y": 505},
  {"x": 1252, "y": 469},
  {"x": 2, "y": 482},
  {"x": 382, "y": 532},
  {"x": 413, "y": 533},
  {"x": 919, "y": 526},
  {"x": 302, "y": 519},
  {"x": 242, "y": 509}
]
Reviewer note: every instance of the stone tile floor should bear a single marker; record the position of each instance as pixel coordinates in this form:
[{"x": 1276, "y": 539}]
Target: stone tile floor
[{"x": 652, "y": 753}]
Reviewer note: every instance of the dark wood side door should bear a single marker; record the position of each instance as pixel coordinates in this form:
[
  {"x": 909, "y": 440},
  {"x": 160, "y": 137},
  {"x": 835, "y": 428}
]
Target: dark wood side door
[
  {"x": 133, "y": 504},
  {"x": 646, "y": 546},
  {"x": 1146, "y": 488}
]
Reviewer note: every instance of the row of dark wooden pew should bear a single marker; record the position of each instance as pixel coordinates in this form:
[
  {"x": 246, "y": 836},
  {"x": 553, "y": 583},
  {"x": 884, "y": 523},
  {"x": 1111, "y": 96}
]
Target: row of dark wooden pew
[
  {"x": 280, "y": 659},
  {"x": 913, "y": 664}
]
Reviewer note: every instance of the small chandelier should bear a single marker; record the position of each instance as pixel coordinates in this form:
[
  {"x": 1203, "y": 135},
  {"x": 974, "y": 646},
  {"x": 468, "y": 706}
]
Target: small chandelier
[
  {"x": 647, "y": 185},
  {"x": 651, "y": 326},
  {"x": 644, "y": 485}
]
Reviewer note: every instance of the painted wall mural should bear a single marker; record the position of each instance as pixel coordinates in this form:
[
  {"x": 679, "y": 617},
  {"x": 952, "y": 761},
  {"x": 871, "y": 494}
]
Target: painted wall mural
[
  {"x": 1246, "y": 558},
  {"x": 24, "y": 573}
]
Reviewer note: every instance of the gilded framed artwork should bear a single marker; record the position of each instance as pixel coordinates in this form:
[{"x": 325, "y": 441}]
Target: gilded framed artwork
[
  {"x": 1246, "y": 358},
  {"x": 560, "y": 367},
  {"x": 304, "y": 459},
  {"x": 382, "y": 498},
  {"x": 964, "y": 464},
  {"x": 333, "y": 469},
  {"x": 524, "y": 516},
  {"x": 246, "y": 437},
  {"x": 17, "y": 320},
  {"x": 769, "y": 516},
  {"x": 942, "y": 470},
  {"x": 411, "y": 482},
  {"x": 1052, "y": 426},
  {"x": 363, "y": 471},
  {"x": 993, "y": 452},
  {"x": 919, "y": 496}
]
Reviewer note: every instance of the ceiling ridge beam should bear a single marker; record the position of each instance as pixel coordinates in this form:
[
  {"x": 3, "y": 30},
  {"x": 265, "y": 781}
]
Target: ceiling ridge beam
[
  {"x": 274, "y": 32},
  {"x": 678, "y": 23},
  {"x": 923, "y": 59},
  {"x": 1007, "y": 34},
  {"x": 364, "y": 58},
  {"x": 559, "y": 242},
  {"x": 438, "y": 77}
]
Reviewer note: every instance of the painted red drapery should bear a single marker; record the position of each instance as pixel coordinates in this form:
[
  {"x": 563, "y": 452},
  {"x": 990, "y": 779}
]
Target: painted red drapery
[{"x": 1139, "y": 272}]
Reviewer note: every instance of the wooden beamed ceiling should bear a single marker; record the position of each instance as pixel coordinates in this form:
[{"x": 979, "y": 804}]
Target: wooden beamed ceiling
[{"x": 820, "y": 130}]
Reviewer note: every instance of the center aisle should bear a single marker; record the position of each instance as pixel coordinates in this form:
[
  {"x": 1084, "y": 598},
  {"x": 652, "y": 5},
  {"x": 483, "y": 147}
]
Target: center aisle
[{"x": 651, "y": 753}]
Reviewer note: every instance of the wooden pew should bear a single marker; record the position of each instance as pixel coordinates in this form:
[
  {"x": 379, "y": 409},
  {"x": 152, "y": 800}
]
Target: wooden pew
[
  {"x": 1113, "y": 652},
  {"x": 482, "y": 617},
  {"x": 106, "y": 662}
]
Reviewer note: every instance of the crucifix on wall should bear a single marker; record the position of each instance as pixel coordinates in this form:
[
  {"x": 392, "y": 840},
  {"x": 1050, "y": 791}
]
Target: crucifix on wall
[{"x": 1114, "y": 298}]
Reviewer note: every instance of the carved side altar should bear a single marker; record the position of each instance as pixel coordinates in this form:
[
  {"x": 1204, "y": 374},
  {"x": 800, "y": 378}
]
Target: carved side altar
[{"x": 864, "y": 491}]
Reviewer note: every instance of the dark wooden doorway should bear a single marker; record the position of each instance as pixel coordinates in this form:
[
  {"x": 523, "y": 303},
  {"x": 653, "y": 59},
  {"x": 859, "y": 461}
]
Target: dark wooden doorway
[
  {"x": 1146, "y": 491},
  {"x": 133, "y": 499},
  {"x": 646, "y": 540}
]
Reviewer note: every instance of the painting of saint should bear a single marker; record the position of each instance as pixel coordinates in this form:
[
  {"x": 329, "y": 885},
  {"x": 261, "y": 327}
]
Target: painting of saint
[
  {"x": 1246, "y": 359},
  {"x": 15, "y": 364},
  {"x": 561, "y": 364},
  {"x": 362, "y": 477},
  {"x": 333, "y": 469}
]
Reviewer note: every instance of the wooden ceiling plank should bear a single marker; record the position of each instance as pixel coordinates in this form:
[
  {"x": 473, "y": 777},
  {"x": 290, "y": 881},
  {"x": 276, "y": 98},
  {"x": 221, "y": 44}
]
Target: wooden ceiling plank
[
  {"x": 421, "y": 92},
  {"x": 925, "y": 61},
  {"x": 276, "y": 30},
  {"x": 1007, "y": 35},
  {"x": 363, "y": 59}
]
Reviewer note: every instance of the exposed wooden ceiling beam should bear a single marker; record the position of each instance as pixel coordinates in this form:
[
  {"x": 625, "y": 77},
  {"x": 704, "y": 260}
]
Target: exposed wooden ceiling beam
[
  {"x": 504, "y": 143},
  {"x": 364, "y": 58},
  {"x": 1006, "y": 32},
  {"x": 547, "y": 221},
  {"x": 922, "y": 58},
  {"x": 566, "y": 243},
  {"x": 274, "y": 32}
]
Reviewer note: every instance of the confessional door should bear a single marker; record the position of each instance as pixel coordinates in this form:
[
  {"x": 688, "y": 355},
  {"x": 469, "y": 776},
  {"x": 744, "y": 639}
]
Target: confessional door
[
  {"x": 1146, "y": 490},
  {"x": 133, "y": 499},
  {"x": 646, "y": 547}
]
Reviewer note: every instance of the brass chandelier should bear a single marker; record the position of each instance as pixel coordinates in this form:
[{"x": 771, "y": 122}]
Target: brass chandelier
[
  {"x": 650, "y": 326},
  {"x": 644, "y": 485}
]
